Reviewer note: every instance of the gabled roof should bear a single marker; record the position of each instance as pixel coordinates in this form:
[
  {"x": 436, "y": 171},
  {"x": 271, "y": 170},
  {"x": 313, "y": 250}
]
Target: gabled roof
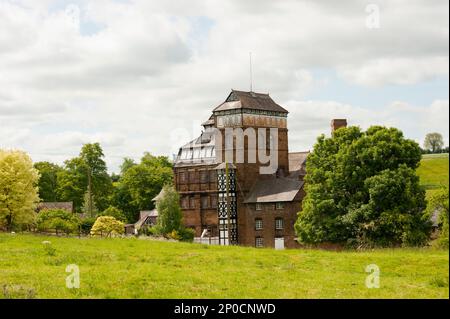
[
  {"x": 249, "y": 100},
  {"x": 55, "y": 205},
  {"x": 209, "y": 122},
  {"x": 273, "y": 190},
  {"x": 143, "y": 217},
  {"x": 297, "y": 161}
]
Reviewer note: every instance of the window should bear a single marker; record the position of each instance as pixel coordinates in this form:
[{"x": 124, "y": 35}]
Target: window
[
  {"x": 259, "y": 242},
  {"x": 192, "y": 176},
  {"x": 205, "y": 201},
  {"x": 214, "y": 201},
  {"x": 192, "y": 202},
  {"x": 258, "y": 224},
  {"x": 203, "y": 176},
  {"x": 185, "y": 202},
  {"x": 279, "y": 223},
  {"x": 258, "y": 206},
  {"x": 212, "y": 176},
  {"x": 182, "y": 177},
  {"x": 279, "y": 205}
]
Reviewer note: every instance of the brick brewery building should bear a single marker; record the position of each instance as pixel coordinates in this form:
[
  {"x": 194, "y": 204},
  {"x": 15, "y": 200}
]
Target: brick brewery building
[{"x": 259, "y": 209}]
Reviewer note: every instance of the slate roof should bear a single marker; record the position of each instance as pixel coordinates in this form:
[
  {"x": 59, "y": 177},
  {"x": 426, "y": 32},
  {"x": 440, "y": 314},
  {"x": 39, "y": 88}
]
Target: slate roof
[
  {"x": 68, "y": 206},
  {"x": 274, "y": 189},
  {"x": 249, "y": 100},
  {"x": 209, "y": 122},
  {"x": 297, "y": 161},
  {"x": 143, "y": 217}
]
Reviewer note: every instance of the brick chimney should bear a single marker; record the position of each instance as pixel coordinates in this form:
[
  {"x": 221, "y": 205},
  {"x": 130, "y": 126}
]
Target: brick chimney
[{"x": 338, "y": 123}]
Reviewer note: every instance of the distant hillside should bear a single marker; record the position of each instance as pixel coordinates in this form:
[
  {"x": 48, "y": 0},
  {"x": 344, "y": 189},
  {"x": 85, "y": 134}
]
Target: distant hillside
[{"x": 433, "y": 171}]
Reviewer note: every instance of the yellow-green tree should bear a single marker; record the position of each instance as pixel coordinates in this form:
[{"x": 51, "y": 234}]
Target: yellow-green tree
[
  {"x": 107, "y": 226},
  {"x": 18, "y": 189}
]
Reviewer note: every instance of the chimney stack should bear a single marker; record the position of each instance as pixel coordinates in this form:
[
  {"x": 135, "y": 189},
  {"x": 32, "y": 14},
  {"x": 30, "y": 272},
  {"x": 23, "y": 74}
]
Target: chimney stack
[{"x": 338, "y": 123}]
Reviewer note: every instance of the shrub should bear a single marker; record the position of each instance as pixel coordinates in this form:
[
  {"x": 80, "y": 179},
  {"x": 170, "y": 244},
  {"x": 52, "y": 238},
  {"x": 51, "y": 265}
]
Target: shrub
[
  {"x": 86, "y": 224},
  {"x": 438, "y": 204},
  {"x": 174, "y": 234},
  {"x": 108, "y": 226},
  {"x": 187, "y": 234},
  {"x": 151, "y": 231},
  {"x": 57, "y": 219}
]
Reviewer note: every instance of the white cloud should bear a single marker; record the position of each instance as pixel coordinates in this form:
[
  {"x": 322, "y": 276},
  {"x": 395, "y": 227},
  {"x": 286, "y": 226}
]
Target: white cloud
[
  {"x": 148, "y": 68},
  {"x": 309, "y": 119}
]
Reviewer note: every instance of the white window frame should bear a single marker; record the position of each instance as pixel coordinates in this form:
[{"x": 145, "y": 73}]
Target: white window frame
[
  {"x": 259, "y": 224},
  {"x": 279, "y": 205},
  {"x": 259, "y": 242},
  {"x": 279, "y": 221},
  {"x": 258, "y": 206}
]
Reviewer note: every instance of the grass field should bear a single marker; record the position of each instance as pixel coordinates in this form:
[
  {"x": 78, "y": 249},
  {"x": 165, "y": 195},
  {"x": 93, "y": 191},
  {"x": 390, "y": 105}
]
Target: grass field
[
  {"x": 433, "y": 171},
  {"x": 134, "y": 268}
]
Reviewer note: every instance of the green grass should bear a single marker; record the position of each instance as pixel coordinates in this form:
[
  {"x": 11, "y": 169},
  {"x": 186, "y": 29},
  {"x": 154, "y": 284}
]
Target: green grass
[
  {"x": 133, "y": 268},
  {"x": 433, "y": 172}
]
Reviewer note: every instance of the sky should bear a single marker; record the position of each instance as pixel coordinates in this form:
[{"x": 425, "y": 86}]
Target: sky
[{"x": 141, "y": 76}]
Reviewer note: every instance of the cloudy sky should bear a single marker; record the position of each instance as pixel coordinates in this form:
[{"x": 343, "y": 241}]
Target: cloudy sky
[{"x": 142, "y": 75}]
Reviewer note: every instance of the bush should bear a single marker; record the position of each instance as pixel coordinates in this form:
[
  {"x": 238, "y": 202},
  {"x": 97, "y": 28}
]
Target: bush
[
  {"x": 174, "y": 234},
  {"x": 439, "y": 204},
  {"x": 151, "y": 231},
  {"x": 86, "y": 224},
  {"x": 59, "y": 220},
  {"x": 187, "y": 234},
  {"x": 107, "y": 226}
]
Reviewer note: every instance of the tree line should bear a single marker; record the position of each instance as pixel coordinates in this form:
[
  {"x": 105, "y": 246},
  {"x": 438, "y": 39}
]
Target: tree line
[{"x": 84, "y": 180}]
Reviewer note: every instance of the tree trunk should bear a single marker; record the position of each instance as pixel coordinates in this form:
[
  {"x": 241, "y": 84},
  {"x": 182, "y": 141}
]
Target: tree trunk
[
  {"x": 90, "y": 210},
  {"x": 9, "y": 222}
]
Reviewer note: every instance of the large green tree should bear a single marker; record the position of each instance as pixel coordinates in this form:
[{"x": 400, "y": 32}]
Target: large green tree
[
  {"x": 433, "y": 142},
  {"x": 18, "y": 189},
  {"x": 72, "y": 182},
  {"x": 48, "y": 182},
  {"x": 138, "y": 184},
  {"x": 86, "y": 175},
  {"x": 143, "y": 181},
  {"x": 362, "y": 187}
]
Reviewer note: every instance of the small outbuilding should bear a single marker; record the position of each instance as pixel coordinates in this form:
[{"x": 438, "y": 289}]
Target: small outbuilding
[{"x": 67, "y": 206}]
